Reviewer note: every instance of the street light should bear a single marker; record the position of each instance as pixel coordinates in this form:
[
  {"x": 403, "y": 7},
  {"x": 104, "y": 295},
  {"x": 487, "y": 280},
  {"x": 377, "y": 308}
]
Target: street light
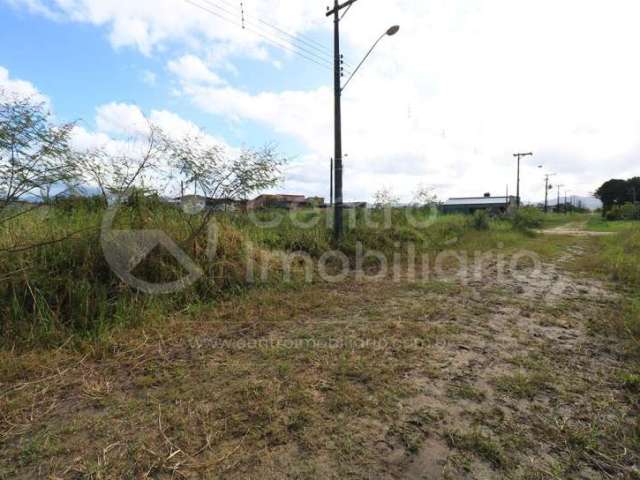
[{"x": 391, "y": 31}]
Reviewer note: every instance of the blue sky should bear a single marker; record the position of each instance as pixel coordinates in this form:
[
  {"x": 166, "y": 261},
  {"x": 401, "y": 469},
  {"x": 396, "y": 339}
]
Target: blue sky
[
  {"x": 78, "y": 69},
  {"x": 444, "y": 103}
]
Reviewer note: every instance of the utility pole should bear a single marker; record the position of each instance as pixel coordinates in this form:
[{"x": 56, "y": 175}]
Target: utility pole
[
  {"x": 547, "y": 187},
  {"x": 546, "y": 193},
  {"x": 337, "y": 93},
  {"x": 331, "y": 186},
  {"x": 558, "y": 202},
  {"x": 519, "y": 156}
]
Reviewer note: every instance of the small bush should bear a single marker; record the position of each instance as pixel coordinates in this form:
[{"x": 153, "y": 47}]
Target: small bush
[
  {"x": 615, "y": 213},
  {"x": 628, "y": 211},
  {"x": 527, "y": 218},
  {"x": 480, "y": 220}
]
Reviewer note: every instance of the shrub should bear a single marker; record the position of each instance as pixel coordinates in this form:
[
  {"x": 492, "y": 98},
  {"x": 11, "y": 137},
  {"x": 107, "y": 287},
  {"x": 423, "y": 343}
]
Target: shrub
[
  {"x": 614, "y": 213},
  {"x": 480, "y": 220},
  {"x": 628, "y": 211},
  {"x": 63, "y": 285},
  {"x": 527, "y": 218}
]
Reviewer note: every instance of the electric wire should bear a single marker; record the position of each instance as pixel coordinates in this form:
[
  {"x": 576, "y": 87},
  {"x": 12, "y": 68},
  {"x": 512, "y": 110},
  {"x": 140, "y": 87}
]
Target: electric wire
[
  {"x": 320, "y": 53},
  {"x": 304, "y": 39},
  {"x": 277, "y": 41}
]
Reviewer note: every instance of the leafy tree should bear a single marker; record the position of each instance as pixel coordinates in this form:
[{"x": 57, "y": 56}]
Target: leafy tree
[
  {"x": 195, "y": 160},
  {"x": 634, "y": 189},
  {"x": 216, "y": 173},
  {"x": 425, "y": 196},
  {"x": 385, "y": 198},
  {"x": 612, "y": 192},
  {"x": 618, "y": 192},
  {"x": 123, "y": 167},
  {"x": 34, "y": 152}
]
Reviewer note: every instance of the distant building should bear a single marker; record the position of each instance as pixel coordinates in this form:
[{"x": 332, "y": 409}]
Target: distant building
[
  {"x": 284, "y": 201},
  {"x": 469, "y": 205},
  {"x": 197, "y": 203}
]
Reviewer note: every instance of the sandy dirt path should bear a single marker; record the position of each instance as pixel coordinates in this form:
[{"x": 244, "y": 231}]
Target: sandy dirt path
[{"x": 575, "y": 229}]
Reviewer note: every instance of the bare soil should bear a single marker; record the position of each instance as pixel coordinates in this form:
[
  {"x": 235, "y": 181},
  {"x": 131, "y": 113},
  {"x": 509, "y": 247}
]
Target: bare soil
[{"x": 576, "y": 229}]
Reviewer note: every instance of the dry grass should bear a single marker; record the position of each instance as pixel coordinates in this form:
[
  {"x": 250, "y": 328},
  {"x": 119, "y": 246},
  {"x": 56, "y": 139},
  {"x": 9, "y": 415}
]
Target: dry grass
[{"x": 351, "y": 380}]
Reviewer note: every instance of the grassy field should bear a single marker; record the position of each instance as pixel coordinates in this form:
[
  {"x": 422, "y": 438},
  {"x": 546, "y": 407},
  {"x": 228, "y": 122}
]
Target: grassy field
[
  {"x": 598, "y": 224},
  {"x": 519, "y": 372}
]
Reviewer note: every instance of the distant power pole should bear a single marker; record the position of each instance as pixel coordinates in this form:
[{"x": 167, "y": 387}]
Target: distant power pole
[
  {"x": 546, "y": 191},
  {"x": 519, "y": 156},
  {"x": 558, "y": 202}
]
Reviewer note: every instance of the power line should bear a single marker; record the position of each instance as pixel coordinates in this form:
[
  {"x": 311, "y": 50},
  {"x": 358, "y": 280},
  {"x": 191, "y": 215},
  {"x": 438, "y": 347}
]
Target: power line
[
  {"x": 304, "y": 39},
  {"x": 295, "y": 49},
  {"x": 302, "y": 44}
]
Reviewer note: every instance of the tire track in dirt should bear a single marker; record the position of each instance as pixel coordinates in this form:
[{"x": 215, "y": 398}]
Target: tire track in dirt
[{"x": 522, "y": 381}]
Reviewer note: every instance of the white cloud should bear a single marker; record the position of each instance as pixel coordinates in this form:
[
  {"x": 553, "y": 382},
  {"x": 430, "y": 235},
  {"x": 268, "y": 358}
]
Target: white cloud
[
  {"x": 35, "y": 6},
  {"x": 191, "y": 69},
  {"x": 148, "y": 24},
  {"x": 122, "y": 130},
  {"x": 19, "y": 88},
  {"x": 121, "y": 119}
]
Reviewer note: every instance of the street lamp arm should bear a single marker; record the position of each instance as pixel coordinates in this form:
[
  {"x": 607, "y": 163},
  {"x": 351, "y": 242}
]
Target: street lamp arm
[{"x": 363, "y": 60}]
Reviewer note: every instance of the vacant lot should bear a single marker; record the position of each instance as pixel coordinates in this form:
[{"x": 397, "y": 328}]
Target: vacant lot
[{"x": 520, "y": 373}]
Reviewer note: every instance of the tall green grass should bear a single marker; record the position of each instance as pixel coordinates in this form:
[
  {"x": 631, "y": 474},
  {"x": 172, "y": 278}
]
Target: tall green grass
[
  {"x": 617, "y": 257},
  {"x": 63, "y": 287}
]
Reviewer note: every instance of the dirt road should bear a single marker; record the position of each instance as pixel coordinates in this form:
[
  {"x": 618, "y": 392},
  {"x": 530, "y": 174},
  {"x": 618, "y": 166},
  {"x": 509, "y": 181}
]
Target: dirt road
[
  {"x": 490, "y": 378},
  {"x": 576, "y": 229}
]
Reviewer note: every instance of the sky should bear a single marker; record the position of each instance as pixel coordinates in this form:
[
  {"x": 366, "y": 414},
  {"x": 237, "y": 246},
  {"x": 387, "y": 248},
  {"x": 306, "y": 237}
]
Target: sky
[{"x": 444, "y": 103}]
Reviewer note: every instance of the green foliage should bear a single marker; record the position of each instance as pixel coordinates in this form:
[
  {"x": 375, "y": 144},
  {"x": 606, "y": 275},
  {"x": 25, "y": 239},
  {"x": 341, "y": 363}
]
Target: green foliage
[
  {"x": 480, "y": 220},
  {"x": 71, "y": 204},
  {"x": 618, "y": 258},
  {"x": 618, "y": 192},
  {"x": 628, "y": 211},
  {"x": 61, "y": 284},
  {"x": 34, "y": 152},
  {"x": 527, "y": 218}
]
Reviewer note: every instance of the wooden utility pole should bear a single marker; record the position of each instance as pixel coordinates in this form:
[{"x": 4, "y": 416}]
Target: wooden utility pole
[
  {"x": 331, "y": 185},
  {"x": 337, "y": 93},
  {"x": 546, "y": 191},
  {"x": 558, "y": 203},
  {"x": 519, "y": 156}
]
